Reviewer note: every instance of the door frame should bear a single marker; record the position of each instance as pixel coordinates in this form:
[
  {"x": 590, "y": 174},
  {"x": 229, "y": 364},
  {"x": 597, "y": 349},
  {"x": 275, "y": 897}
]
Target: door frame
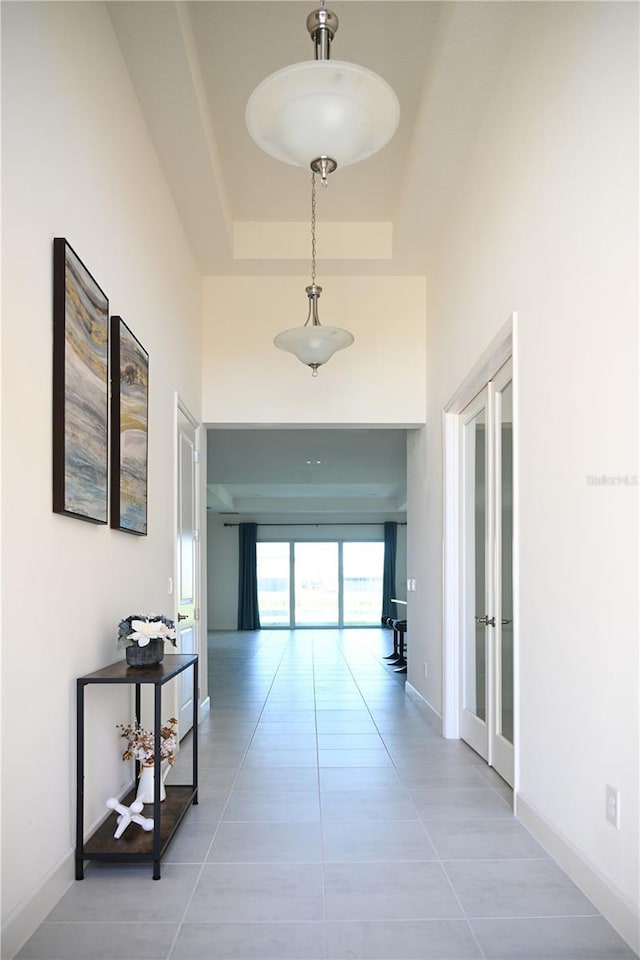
[
  {"x": 503, "y": 347},
  {"x": 180, "y": 407}
]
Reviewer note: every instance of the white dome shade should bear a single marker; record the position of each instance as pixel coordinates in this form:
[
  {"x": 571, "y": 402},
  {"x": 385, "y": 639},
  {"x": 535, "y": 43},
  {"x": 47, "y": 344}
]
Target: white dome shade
[
  {"x": 315, "y": 344},
  {"x": 322, "y": 108}
]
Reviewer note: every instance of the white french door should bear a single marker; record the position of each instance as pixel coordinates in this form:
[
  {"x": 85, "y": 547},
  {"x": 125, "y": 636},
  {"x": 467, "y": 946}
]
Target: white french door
[{"x": 486, "y": 512}]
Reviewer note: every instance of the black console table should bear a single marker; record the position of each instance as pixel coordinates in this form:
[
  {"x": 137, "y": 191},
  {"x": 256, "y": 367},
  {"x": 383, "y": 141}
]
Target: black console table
[{"x": 136, "y": 844}]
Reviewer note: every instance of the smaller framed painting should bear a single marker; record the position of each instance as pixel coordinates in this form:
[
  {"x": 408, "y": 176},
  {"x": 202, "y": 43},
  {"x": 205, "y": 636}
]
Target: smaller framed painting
[
  {"x": 80, "y": 389},
  {"x": 129, "y": 430}
]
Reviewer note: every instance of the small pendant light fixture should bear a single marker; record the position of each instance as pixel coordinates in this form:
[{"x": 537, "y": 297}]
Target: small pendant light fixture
[
  {"x": 322, "y": 113},
  {"x": 313, "y": 344}
]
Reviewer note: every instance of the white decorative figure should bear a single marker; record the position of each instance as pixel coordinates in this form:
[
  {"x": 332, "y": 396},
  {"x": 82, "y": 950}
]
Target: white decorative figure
[{"x": 128, "y": 815}]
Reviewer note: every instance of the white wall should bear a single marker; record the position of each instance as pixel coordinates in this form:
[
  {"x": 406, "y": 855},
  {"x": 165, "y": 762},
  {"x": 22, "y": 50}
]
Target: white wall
[
  {"x": 247, "y": 380},
  {"x": 222, "y": 552},
  {"x": 222, "y": 574},
  {"x": 76, "y": 162},
  {"x": 545, "y": 223}
]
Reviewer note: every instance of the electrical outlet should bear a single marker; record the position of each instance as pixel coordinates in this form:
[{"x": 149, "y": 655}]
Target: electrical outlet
[
  {"x": 426, "y": 671},
  {"x": 613, "y": 806},
  {"x": 170, "y": 585}
]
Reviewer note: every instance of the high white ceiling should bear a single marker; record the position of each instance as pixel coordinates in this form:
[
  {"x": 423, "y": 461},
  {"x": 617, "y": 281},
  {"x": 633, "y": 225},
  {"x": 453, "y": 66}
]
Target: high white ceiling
[{"x": 193, "y": 66}]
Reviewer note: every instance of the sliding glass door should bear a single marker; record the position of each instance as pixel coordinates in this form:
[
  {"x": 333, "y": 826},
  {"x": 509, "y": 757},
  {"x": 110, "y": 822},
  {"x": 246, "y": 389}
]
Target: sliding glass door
[
  {"x": 320, "y": 583},
  {"x": 316, "y": 584},
  {"x": 362, "y": 566},
  {"x": 274, "y": 584}
]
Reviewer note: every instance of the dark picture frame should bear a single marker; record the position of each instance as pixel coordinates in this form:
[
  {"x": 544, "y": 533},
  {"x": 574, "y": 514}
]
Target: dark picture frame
[
  {"x": 129, "y": 430},
  {"x": 80, "y": 389}
]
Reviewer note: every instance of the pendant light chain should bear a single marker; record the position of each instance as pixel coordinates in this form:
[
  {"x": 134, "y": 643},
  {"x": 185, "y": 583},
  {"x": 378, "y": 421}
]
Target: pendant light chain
[{"x": 313, "y": 229}]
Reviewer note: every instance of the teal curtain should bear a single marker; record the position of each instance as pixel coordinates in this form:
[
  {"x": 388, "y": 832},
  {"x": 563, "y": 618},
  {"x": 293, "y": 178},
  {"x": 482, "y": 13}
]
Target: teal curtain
[
  {"x": 389, "y": 569},
  {"x": 248, "y": 614}
]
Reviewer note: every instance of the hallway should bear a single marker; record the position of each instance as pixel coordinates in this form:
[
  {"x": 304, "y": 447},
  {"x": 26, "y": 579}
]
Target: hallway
[{"x": 333, "y": 822}]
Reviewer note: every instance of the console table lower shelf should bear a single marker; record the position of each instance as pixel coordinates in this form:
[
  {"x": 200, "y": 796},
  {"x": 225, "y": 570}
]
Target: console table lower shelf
[{"x": 136, "y": 844}]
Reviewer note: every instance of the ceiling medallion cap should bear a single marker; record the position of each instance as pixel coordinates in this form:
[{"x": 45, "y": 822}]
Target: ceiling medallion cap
[
  {"x": 322, "y": 19},
  {"x": 322, "y": 108}
]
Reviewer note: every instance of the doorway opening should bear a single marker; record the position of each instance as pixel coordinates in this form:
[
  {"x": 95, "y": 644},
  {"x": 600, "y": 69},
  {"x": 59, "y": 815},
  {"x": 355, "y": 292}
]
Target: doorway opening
[{"x": 320, "y": 498}]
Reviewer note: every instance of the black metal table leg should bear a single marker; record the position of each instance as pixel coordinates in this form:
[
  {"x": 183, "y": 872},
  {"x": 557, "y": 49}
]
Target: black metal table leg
[
  {"x": 79, "y": 780},
  {"x": 196, "y": 698},
  {"x": 157, "y": 780}
]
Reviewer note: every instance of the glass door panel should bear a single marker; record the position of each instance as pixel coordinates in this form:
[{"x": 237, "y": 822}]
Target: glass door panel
[
  {"x": 316, "y": 584},
  {"x": 362, "y": 567},
  {"x": 475, "y": 527},
  {"x": 475, "y": 573},
  {"x": 273, "y": 567},
  {"x": 506, "y": 541}
]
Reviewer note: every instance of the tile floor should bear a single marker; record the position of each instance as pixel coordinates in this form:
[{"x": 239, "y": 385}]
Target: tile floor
[{"x": 333, "y": 823}]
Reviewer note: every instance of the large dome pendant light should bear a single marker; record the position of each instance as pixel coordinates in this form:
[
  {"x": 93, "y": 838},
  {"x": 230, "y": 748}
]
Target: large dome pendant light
[
  {"x": 313, "y": 344},
  {"x": 322, "y": 113}
]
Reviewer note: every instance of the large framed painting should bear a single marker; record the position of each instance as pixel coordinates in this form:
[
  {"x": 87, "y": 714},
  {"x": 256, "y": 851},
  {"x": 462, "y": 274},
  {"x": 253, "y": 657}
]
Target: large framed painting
[
  {"x": 80, "y": 389},
  {"x": 129, "y": 430}
]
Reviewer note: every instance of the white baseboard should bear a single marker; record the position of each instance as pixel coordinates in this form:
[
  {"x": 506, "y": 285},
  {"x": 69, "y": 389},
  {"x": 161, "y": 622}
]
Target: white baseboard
[
  {"x": 430, "y": 713},
  {"x": 611, "y": 902},
  {"x": 27, "y": 917}
]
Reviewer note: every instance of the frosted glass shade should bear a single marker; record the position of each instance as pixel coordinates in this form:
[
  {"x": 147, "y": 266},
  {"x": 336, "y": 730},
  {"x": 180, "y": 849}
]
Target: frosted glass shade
[
  {"x": 322, "y": 108},
  {"x": 313, "y": 345}
]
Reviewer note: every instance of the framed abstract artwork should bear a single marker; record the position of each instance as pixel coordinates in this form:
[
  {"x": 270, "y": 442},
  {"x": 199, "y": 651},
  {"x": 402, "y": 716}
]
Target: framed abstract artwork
[
  {"x": 80, "y": 389},
  {"x": 129, "y": 430}
]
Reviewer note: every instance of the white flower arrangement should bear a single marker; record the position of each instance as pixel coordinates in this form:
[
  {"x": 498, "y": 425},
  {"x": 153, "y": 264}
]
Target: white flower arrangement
[
  {"x": 140, "y": 629},
  {"x": 140, "y": 745}
]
